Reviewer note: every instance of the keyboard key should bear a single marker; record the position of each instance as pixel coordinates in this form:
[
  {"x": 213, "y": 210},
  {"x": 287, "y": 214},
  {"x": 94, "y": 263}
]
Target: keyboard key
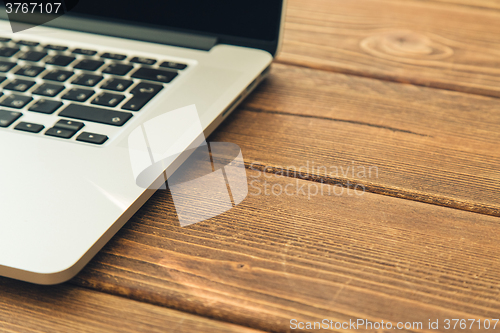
[
  {"x": 69, "y": 125},
  {"x": 6, "y": 66},
  {"x": 8, "y": 51},
  {"x": 59, "y": 60},
  {"x": 60, "y": 133},
  {"x": 46, "y": 106},
  {"x": 32, "y": 55},
  {"x": 58, "y": 75},
  {"x": 8, "y": 117},
  {"x": 4, "y": 40},
  {"x": 29, "y": 127},
  {"x": 55, "y": 47},
  {"x": 2, "y": 78},
  {"x": 27, "y": 43},
  {"x": 116, "y": 84},
  {"x": 97, "y": 139},
  {"x": 88, "y": 80},
  {"x": 117, "y": 69},
  {"x": 144, "y": 61},
  {"x": 16, "y": 101},
  {"x": 88, "y": 64},
  {"x": 153, "y": 74},
  {"x": 107, "y": 99},
  {"x": 85, "y": 52},
  {"x": 143, "y": 93},
  {"x": 30, "y": 71},
  {"x": 95, "y": 114},
  {"x": 19, "y": 85},
  {"x": 173, "y": 65},
  {"x": 145, "y": 88},
  {"x": 135, "y": 103},
  {"x": 77, "y": 94},
  {"x": 113, "y": 56},
  {"x": 48, "y": 89}
]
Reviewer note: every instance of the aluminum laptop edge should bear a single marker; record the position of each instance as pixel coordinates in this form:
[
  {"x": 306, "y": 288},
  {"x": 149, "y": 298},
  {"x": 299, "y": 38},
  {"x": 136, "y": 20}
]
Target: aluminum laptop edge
[{"x": 62, "y": 200}]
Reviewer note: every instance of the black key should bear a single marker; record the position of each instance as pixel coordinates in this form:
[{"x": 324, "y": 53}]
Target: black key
[
  {"x": 88, "y": 80},
  {"x": 145, "y": 61},
  {"x": 135, "y": 103},
  {"x": 46, "y": 106},
  {"x": 94, "y": 114},
  {"x": 8, "y": 117},
  {"x": 153, "y": 74},
  {"x": 174, "y": 65},
  {"x": 114, "y": 56},
  {"x": 4, "y": 40},
  {"x": 27, "y": 43},
  {"x": 78, "y": 94},
  {"x": 29, "y": 127},
  {"x": 16, "y": 101},
  {"x": 19, "y": 85},
  {"x": 8, "y": 51},
  {"x": 88, "y": 64},
  {"x": 6, "y": 66},
  {"x": 55, "y": 47},
  {"x": 145, "y": 88},
  {"x": 117, "y": 69},
  {"x": 60, "y": 133},
  {"x": 116, "y": 84},
  {"x": 58, "y": 75},
  {"x": 30, "y": 71},
  {"x": 143, "y": 93},
  {"x": 48, "y": 89},
  {"x": 97, "y": 139},
  {"x": 85, "y": 52},
  {"x": 59, "y": 60},
  {"x": 107, "y": 99},
  {"x": 32, "y": 55},
  {"x": 2, "y": 78},
  {"x": 69, "y": 125}
]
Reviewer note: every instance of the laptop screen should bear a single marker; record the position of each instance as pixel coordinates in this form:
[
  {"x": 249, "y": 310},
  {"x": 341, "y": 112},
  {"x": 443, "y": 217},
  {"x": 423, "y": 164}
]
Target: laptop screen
[
  {"x": 254, "y": 19},
  {"x": 251, "y": 23}
]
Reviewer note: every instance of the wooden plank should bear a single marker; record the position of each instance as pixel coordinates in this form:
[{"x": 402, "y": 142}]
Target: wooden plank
[
  {"x": 29, "y": 308},
  {"x": 422, "y": 144},
  {"x": 491, "y": 4},
  {"x": 420, "y": 42},
  {"x": 279, "y": 257}
]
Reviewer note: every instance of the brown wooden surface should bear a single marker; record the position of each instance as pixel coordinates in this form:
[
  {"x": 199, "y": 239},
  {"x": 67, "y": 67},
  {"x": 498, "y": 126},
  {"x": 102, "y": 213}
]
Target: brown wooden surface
[
  {"x": 429, "y": 145},
  {"x": 410, "y": 87},
  {"x": 490, "y": 4},
  {"x": 278, "y": 257},
  {"x": 30, "y": 308},
  {"x": 421, "y": 42}
]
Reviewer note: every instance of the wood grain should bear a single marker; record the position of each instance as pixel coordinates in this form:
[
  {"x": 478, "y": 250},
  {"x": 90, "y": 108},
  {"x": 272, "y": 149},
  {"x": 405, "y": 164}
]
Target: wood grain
[
  {"x": 423, "y": 144},
  {"x": 490, "y": 4},
  {"x": 419, "y": 42},
  {"x": 278, "y": 257},
  {"x": 29, "y": 308}
]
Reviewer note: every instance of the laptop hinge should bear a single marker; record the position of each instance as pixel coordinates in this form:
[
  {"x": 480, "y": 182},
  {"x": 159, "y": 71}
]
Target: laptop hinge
[{"x": 147, "y": 34}]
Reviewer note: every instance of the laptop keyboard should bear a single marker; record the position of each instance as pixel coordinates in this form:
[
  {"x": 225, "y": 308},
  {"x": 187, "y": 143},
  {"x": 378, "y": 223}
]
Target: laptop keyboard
[{"x": 80, "y": 86}]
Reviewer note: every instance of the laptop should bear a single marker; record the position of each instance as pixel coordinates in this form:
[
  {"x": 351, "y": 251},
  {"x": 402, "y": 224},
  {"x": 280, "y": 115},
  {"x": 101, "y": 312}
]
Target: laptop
[{"x": 75, "y": 88}]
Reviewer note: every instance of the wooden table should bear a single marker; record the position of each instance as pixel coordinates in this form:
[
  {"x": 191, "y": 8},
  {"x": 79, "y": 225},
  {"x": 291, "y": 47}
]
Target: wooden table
[{"x": 405, "y": 89}]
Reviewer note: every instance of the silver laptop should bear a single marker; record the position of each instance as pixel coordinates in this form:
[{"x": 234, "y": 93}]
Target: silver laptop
[{"x": 75, "y": 87}]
